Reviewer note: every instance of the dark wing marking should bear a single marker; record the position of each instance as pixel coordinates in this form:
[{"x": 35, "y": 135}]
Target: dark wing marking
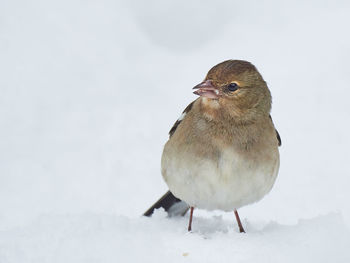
[
  {"x": 277, "y": 135},
  {"x": 171, "y": 204},
  {"x": 278, "y": 138},
  {"x": 173, "y": 129}
]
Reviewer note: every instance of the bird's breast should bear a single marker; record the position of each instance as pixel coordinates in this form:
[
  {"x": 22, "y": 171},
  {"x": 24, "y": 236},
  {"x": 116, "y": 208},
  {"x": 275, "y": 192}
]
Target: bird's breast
[{"x": 212, "y": 175}]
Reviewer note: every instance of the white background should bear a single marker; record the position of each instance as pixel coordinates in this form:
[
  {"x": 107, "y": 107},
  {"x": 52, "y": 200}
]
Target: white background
[{"x": 90, "y": 89}]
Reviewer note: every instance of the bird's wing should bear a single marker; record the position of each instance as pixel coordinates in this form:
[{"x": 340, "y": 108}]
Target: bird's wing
[
  {"x": 179, "y": 120},
  {"x": 277, "y": 134},
  {"x": 171, "y": 204}
]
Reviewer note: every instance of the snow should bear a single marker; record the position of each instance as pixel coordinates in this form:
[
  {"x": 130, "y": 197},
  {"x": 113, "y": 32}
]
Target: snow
[
  {"x": 89, "y": 91},
  {"x": 89, "y": 237}
]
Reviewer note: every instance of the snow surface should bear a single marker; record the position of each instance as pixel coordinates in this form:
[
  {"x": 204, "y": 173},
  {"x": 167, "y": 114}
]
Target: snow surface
[
  {"x": 89, "y": 91},
  {"x": 99, "y": 237}
]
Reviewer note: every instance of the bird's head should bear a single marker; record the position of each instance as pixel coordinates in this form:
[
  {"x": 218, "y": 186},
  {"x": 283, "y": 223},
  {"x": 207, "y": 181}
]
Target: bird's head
[{"x": 237, "y": 88}]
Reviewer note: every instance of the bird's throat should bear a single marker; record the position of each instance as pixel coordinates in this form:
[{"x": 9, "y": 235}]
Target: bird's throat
[{"x": 209, "y": 107}]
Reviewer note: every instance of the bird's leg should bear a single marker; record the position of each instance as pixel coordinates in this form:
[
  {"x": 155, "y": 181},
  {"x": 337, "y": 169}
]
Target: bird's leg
[
  {"x": 241, "y": 229},
  {"x": 190, "y": 222}
]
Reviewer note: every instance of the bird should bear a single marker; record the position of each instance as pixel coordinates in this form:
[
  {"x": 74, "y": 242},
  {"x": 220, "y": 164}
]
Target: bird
[{"x": 222, "y": 153}]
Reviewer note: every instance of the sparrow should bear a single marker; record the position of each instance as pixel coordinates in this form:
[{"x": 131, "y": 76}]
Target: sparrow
[{"x": 222, "y": 152}]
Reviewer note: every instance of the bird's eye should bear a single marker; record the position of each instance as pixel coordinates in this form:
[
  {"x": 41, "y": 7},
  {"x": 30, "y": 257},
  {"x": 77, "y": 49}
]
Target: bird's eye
[{"x": 232, "y": 86}]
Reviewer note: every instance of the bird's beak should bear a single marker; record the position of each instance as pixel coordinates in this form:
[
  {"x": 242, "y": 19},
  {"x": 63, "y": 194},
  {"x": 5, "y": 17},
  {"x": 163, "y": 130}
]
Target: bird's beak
[{"x": 207, "y": 89}]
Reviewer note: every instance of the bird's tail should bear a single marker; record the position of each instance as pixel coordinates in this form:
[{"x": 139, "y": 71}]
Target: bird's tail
[{"x": 171, "y": 204}]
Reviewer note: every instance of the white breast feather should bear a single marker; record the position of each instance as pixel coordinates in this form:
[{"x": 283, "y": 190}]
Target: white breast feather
[{"x": 228, "y": 184}]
